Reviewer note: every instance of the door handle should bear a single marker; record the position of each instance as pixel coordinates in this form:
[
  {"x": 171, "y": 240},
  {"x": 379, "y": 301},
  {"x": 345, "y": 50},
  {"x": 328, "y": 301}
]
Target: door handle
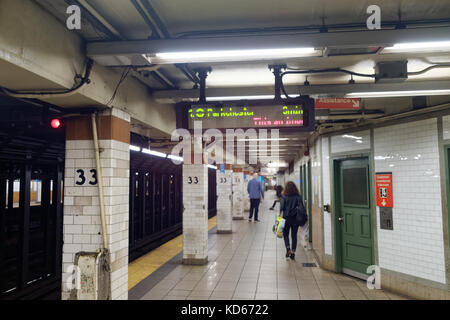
[{"x": 341, "y": 219}]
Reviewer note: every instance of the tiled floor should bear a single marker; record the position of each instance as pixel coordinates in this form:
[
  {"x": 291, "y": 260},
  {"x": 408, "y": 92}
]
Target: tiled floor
[
  {"x": 250, "y": 264},
  {"x": 144, "y": 266}
]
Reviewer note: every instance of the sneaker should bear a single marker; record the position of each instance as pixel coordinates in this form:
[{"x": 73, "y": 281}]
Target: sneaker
[
  {"x": 256, "y": 220},
  {"x": 271, "y": 208},
  {"x": 249, "y": 220},
  {"x": 292, "y": 256}
]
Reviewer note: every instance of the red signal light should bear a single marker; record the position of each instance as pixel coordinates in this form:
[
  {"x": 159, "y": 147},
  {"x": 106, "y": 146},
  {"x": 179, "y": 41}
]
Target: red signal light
[{"x": 56, "y": 123}]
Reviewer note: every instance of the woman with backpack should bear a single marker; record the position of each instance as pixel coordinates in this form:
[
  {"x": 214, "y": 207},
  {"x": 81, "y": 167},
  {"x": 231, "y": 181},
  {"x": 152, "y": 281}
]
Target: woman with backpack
[{"x": 293, "y": 211}]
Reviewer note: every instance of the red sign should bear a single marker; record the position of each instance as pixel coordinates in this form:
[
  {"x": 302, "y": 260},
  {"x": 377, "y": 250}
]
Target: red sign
[
  {"x": 384, "y": 190},
  {"x": 338, "y": 103}
]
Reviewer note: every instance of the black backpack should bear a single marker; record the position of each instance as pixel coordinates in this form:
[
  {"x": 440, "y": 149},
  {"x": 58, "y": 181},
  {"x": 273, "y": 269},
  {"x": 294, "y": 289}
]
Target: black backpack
[{"x": 300, "y": 214}]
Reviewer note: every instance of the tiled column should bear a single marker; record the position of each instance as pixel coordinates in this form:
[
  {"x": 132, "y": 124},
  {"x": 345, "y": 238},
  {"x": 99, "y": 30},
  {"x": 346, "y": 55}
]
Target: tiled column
[
  {"x": 246, "y": 197},
  {"x": 82, "y": 221},
  {"x": 224, "y": 201},
  {"x": 238, "y": 205},
  {"x": 195, "y": 215}
]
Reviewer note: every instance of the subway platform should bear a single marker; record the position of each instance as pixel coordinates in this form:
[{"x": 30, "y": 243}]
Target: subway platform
[{"x": 248, "y": 264}]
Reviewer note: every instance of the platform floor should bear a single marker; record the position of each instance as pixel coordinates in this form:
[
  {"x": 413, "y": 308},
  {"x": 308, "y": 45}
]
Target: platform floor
[{"x": 250, "y": 264}]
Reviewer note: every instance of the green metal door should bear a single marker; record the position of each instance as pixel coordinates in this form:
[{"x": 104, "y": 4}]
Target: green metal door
[
  {"x": 310, "y": 201},
  {"x": 354, "y": 218}
]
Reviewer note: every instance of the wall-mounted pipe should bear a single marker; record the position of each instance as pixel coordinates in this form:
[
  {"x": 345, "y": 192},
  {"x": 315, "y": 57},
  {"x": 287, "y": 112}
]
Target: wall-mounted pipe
[
  {"x": 100, "y": 180},
  {"x": 105, "y": 249},
  {"x": 322, "y": 129}
]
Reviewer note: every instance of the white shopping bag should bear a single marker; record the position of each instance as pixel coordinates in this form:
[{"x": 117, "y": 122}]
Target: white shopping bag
[{"x": 304, "y": 235}]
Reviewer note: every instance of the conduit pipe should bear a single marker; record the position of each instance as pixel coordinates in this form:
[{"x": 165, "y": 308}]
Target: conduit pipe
[
  {"x": 100, "y": 180},
  {"x": 52, "y": 94},
  {"x": 105, "y": 250},
  {"x": 322, "y": 130}
]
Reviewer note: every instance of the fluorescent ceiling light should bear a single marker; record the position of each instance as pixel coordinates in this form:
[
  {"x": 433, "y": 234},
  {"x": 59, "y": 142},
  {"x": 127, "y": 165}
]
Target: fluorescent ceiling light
[
  {"x": 399, "y": 93},
  {"x": 277, "y": 164},
  {"x": 176, "y": 158},
  {"x": 262, "y": 97},
  {"x": 230, "y": 55},
  {"x": 265, "y": 139},
  {"x": 351, "y": 137},
  {"x": 135, "y": 148},
  {"x": 419, "y": 46},
  {"x": 212, "y": 167},
  {"x": 154, "y": 153}
]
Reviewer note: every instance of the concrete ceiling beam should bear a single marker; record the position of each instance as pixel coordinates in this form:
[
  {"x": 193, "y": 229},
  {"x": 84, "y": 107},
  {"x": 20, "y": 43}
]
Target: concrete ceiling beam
[
  {"x": 354, "y": 39},
  {"x": 325, "y": 89}
]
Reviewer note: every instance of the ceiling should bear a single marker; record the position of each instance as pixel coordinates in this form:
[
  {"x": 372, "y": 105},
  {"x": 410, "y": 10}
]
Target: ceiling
[{"x": 176, "y": 19}]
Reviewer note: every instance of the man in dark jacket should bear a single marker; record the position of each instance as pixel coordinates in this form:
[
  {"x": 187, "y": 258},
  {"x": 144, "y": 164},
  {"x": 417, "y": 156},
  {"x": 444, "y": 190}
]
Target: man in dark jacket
[
  {"x": 256, "y": 192},
  {"x": 278, "y": 190}
]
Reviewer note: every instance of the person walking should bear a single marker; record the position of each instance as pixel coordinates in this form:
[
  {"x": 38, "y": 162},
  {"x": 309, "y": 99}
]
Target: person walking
[
  {"x": 256, "y": 193},
  {"x": 290, "y": 200},
  {"x": 278, "y": 190}
]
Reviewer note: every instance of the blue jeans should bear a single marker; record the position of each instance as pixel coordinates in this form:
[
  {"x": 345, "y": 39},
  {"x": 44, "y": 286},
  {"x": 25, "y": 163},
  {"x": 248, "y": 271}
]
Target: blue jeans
[{"x": 254, "y": 206}]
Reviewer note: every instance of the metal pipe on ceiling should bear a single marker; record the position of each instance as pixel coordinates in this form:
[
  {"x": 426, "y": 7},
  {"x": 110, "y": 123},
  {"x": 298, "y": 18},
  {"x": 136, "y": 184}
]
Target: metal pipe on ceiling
[
  {"x": 160, "y": 31},
  {"x": 327, "y": 128},
  {"x": 321, "y": 89},
  {"x": 99, "y": 17},
  {"x": 316, "y": 28},
  {"x": 91, "y": 10}
]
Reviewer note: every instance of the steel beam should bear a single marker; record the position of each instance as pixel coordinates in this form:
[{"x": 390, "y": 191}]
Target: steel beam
[
  {"x": 349, "y": 39},
  {"x": 328, "y": 90}
]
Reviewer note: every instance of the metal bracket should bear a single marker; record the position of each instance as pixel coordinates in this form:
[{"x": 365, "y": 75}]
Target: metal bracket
[
  {"x": 203, "y": 74},
  {"x": 277, "y": 71}
]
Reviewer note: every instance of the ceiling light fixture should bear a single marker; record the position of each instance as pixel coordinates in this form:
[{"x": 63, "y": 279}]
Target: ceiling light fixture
[
  {"x": 410, "y": 93},
  {"x": 176, "y": 158},
  {"x": 418, "y": 47},
  {"x": 135, "y": 148},
  {"x": 230, "y": 55},
  {"x": 265, "y": 139},
  {"x": 260, "y": 97},
  {"x": 351, "y": 137},
  {"x": 154, "y": 153},
  {"x": 277, "y": 164}
]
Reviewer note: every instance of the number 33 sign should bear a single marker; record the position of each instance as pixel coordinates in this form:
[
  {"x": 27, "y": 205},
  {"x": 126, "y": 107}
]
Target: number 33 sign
[
  {"x": 190, "y": 180},
  {"x": 81, "y": 179}
]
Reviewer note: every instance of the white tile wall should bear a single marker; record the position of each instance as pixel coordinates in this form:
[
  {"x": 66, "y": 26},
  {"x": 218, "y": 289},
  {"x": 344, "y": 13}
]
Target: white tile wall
[
  {"x": 350, "y": 142},
  {"x": 316, "y": 173},
  {"x": 82, "y": 226},
  {"x": 328, "y": 242},
  {"x": 238, "y": 195},
  {"x": 416, "y": 245},
  {"x": 195, "y": 215},
  {"x": 446, "y": 127},
  {"x": 247, "y": 178},
  {"x": 224, "y": 200}
]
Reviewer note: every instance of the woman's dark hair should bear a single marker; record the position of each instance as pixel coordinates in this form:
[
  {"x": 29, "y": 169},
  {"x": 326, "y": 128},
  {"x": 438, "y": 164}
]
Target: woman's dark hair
[{"x": 290, "y": 189}]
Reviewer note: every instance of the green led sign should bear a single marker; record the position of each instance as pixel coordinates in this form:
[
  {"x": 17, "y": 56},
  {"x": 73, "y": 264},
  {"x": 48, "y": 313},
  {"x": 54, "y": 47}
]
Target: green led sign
[{"x": 263, "y": 116}]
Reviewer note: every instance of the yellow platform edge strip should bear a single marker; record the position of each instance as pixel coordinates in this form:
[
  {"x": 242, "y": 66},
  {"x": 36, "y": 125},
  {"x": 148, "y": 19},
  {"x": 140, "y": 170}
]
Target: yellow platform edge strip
[{"x": 144, "y": 266}]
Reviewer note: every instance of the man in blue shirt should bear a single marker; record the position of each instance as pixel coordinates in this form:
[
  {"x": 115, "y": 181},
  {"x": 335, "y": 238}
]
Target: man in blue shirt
[{"x": 256, "y": 192}]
